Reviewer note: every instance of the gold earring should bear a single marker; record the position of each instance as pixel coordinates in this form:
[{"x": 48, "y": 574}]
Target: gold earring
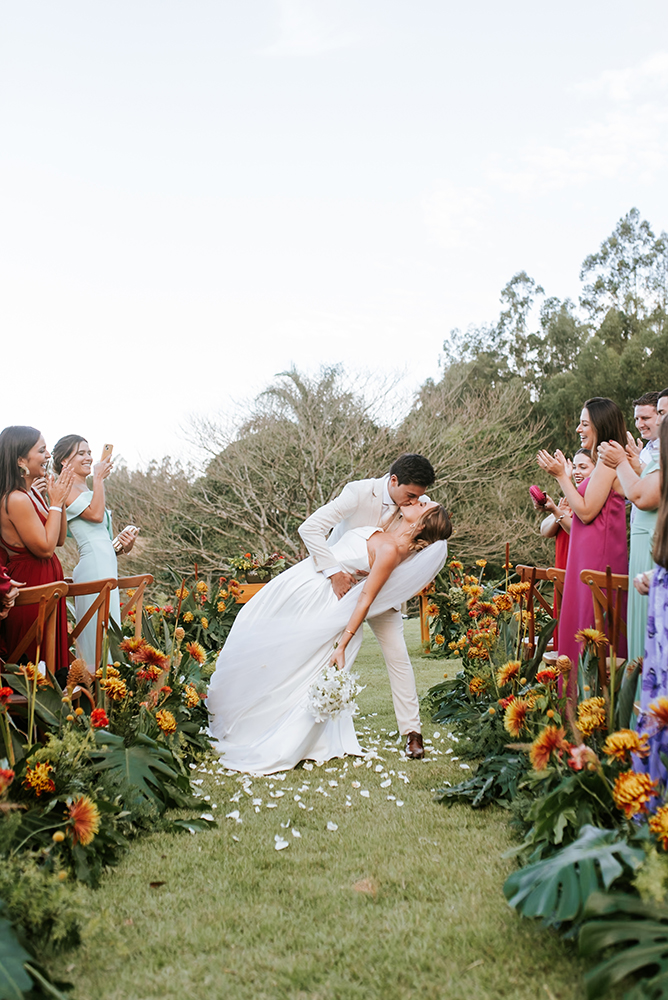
[{"x": 24, "y": 471}]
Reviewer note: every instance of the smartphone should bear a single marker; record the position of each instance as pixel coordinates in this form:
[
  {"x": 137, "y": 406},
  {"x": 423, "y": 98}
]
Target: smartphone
[{"x": 107, "y": 452}]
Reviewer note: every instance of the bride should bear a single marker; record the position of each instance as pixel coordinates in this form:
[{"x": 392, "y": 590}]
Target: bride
[{"x": 296, "y": 626}]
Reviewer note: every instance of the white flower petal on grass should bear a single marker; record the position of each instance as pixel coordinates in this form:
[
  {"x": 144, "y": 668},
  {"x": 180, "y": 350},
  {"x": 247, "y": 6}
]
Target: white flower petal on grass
[
  {"x": 256, "y": 808},
  {"x": 465, "y": 767},
  {"x": 235, "y": 816},
  {"x": 399, "y": 802},
  {"x": 436, "y": 735},
  {"x": 302, "y": 806},
  {"x": 378, "y": 768},
  {"x": 333, "y": 784},
  {"x": 257, "y": 802},
  {"x": 272, "y": 805},
  {"x": 277, "y": 795},
  {"x": 355, "y": 784},
  {"x": 192, "y": 766},
  {"x": 295, "y": 833},
  {"x": 332, "y": 826},
  {"x": 235, "y": 838},
  {"x": 284, "y": 826},
  {"x": 364, "y": 793},
  {"x": 308, "y": 766},
  {"x": 208, "y": 817},
  {"x": 386, "y": 784},
  {"x": 279, "y": 843},
  {"x": 391, "y": 798},
  {"x": 197, "y": 781},
  {"x": 297, "y": 798}
]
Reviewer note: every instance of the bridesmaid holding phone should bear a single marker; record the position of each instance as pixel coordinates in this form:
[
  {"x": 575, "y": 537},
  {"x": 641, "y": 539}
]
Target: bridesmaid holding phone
[{"x": 89, "y": 523}]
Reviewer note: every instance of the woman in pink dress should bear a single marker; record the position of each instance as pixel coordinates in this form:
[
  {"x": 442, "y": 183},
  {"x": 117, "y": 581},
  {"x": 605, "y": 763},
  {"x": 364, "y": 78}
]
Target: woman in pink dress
[{"x": 598, "y": 531}]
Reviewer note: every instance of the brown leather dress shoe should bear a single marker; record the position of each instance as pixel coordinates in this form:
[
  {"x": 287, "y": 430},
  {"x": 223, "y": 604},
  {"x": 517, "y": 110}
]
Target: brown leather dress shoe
[{"x": 414, "y": 746}]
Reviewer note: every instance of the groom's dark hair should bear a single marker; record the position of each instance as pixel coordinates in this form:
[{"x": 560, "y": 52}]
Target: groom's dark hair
[{"x": 410, "y": 468}]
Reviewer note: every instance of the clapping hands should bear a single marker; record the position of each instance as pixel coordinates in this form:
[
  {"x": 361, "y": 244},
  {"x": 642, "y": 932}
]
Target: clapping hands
[{"x": 554, "y": 465}]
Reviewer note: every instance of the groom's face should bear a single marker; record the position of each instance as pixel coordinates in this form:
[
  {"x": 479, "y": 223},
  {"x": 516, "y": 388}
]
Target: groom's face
[{"x": 406, "y": 494}]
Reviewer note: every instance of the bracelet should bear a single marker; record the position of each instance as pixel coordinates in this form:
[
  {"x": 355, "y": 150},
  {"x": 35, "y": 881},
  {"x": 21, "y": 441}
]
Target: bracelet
[
  {"x": 558, "y": 519},
  {"x": 55, "y": 508},
  {"x": 349, "y": 632}
]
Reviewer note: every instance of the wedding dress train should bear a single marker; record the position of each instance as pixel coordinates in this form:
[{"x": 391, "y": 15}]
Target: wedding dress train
[{"x": 279, "y": 644}]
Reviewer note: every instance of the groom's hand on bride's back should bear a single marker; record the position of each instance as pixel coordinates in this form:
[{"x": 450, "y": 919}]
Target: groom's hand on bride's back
[{"x": 342, "y": 582}]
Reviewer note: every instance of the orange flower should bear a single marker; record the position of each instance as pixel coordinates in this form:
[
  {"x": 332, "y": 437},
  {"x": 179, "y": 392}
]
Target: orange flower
[
  {"x": 432, "y": 609},
  {"x": 517, "y": 590},
  {"x": 190, "y": 696},
  {"x": 439, "y": 639},
  {"x": 150, "y": 673},
  {"x": 551, "y": 740},
  {"x": 98, "y": 718},
  {"x": 197, "y": 651},
  {"x": 488, "y": 608},
  {"x": 28, "y": 671},
  {"x": 547, "y": 676},
  {"x": 116, "y": 689},
  {"x": 152, "y": 656},
  {"x": 658, "y": 824},
  {"x": 84, "y": 818},
  {"x": 477, "y": 686},
  {"x": 632, "y": 792},
  {"x": 625, "y": 741},
  {"x": 37, "y": 779},
  {"x": 503, "y": 602},
  {"x": 182, "y": 591},
  {"x": 166, "y": 721},
  {"x": 6, "y": 778},
  {"x": 475, "y": 591},
  {"x": 659, "y": 712},
  {"x": 508, "y": 672},
  {"x": 481, "y": 562},
  {"x": 111, "y": 672},
  {"x": 591, "y": 637},
  {"x": 455, "y": 564},
  {"x": 591, "y": 715},
  {"x": 514, "y": 720},
  {"x": 132, "y": 645},
  {"x": 201, "y": 587}
]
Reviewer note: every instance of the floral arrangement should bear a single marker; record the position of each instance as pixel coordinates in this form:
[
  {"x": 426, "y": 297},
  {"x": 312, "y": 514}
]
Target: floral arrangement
[
  {"x": 258, "y": 569},
  {"x": 333, "y": 694}
]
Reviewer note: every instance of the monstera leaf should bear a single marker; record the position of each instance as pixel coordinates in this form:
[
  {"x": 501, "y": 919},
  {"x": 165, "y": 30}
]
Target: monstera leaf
[
  {"x": 558, "y": 887},
  {"x": 638, "y": 932},
  {"x": 143, "y": 765},
  {"x": 13, "y": 977}
]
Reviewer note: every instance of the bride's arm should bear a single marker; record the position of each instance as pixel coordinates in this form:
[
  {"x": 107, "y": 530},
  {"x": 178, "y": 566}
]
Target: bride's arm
[{"x": 385, "y": 562}]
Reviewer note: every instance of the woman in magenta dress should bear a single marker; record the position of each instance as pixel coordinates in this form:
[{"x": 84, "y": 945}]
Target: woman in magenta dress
[
  {"x": 30, "y": 530},
  {"x": 598, "y": 531}
]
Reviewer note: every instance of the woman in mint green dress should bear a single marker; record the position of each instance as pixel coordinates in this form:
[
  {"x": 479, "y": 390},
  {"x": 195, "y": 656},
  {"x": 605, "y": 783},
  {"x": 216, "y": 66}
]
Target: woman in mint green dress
[
  {"x": 643, "y": 491},
  {"x": 89, "y": 522}
]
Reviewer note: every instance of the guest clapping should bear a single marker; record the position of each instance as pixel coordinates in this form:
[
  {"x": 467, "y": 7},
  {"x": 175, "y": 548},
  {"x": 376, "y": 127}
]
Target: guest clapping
[
  {"x": 90, "y": 524},
  {"x": 598, "y": 531},
  {"x": 30, "y": 530}
]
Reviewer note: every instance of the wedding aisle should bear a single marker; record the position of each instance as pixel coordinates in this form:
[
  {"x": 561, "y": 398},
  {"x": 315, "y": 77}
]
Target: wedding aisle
[{"x": 340, "y": 882}]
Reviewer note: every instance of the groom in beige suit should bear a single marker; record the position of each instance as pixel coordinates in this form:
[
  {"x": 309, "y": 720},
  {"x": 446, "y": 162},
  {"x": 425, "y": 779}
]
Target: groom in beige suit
[{"x": 373, "y": 502}]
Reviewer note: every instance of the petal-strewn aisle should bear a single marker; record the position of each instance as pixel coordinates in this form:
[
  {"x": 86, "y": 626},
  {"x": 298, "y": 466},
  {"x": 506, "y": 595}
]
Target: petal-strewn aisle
[{"x": 326, "y": 883}]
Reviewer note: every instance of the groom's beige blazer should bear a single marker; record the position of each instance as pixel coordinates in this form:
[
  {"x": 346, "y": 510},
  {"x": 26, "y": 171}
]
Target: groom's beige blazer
[{"x": 359, "y": 504}]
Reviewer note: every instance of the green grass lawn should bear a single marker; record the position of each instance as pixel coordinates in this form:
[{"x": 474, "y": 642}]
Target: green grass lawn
[{"x": 403, "y": 899}]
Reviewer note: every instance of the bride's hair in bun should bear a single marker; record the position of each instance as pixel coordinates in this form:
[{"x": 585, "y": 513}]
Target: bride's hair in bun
[{"x": 434, "y": 525}]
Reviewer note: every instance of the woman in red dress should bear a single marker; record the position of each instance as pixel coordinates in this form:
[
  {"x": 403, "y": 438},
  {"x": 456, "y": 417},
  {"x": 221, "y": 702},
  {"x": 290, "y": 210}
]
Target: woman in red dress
[{"x": 30, "y": 530}]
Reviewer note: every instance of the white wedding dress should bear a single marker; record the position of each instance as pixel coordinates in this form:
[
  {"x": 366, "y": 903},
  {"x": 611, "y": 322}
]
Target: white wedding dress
[{"x": 279, "y": 644}]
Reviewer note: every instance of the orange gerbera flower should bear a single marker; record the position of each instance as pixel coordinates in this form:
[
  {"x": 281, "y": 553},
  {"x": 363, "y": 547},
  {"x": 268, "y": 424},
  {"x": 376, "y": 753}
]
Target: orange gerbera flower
[
  {"x": 632, "y": 792},
  {"x": 625, "y": 741},
  {"x": 197, "y": 651},
  {"x": 591, "y": 715},
  {"x": 475, "y": 591},
  {"x": 152, "y": 657},
  {"x": 432, "y": 609},
  {"x": 658, "y": 824},
  {"x": 131, "y": 646},
  {"x": 658, "y": 710},
  {"x": 508, "y": 672},
  {"x": 551, "y": 740},
  {"x": 38, "y": 779},
  {"x": 439, "y": 639},
  {"x": 514, "y": 720},
  {"x": 84, "y": 818}
]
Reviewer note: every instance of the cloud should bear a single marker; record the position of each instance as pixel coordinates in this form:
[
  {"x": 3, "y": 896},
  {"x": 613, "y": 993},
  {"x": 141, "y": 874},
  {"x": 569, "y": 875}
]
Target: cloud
[
  {"x": 303, "y": 32},
  {"x": 651, "y": 75}
]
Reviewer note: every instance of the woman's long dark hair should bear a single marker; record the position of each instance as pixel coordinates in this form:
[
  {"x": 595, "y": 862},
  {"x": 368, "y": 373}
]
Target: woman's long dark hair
[
  {"x": 607, "y": 420},
  {"x": 660, "y": 551},
  {"x": 63, "y": 448},
  {"x": 15, "y": 443}
]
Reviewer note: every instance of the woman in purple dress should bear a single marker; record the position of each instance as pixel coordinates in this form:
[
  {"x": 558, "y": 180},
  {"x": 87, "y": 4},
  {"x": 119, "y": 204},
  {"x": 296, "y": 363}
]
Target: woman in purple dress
[
  {"x": 653, "y": 718},
  {"x": 598, "y": 532}
]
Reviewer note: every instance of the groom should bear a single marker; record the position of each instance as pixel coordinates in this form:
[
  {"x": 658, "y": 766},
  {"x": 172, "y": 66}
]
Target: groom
[{"x": 373, "y": 502}]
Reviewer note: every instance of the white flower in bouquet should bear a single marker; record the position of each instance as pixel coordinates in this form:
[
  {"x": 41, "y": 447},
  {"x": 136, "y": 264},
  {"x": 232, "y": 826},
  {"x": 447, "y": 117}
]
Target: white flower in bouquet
[{"x": 333, "y": 693}]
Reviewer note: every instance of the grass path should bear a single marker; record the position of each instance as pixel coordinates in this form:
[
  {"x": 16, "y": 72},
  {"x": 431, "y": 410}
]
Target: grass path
[{"x": 399, "y": 901}]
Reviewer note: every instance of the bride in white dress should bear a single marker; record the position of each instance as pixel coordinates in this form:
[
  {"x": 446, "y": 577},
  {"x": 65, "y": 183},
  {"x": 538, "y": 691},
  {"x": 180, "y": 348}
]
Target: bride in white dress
[{"x": 284, "y": 637}]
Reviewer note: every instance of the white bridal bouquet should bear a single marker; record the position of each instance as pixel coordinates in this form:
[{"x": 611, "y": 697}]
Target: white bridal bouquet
[{"x": 333, "y": 693}]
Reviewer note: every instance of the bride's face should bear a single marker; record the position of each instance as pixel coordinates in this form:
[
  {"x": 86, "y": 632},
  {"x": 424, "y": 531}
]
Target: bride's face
[{"x": 412, "y": 514}]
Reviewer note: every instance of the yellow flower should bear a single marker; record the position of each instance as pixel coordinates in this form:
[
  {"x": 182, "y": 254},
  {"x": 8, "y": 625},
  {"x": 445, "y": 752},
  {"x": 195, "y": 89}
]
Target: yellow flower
[
  {"x": 659, "y": 712},
  {"x": 517, "y": 590},
  {"x": 456, "y": 617},
  {"x": 591, "y": 637},
  {"x": 190, "y": 696},
  {"x": 625, "y": 741},
  {"x": 205, "y": 622},
  {"x": 221, "y": 606},
  {"x": 451, "y": 645},
  {"x": 37, "y": 779},
  {"x": 111, "y": 672},
  {"x": 508, "y": 672},
  {"x": 514, "y": 720},
  {"x": 166, "y": 721},
  {"x": 58, "y": 837},
  {"x": 658, "y": 824},
  {"x": 477, "y": 686},
  {"x": 201, "y": 587},
  {"x": 455, "y": 564},
  {"x": 28, "y": 671},
  {"x": 503, "y": 602},
  {"x": 114, "y": 688},
  {"x": 475, "y": 591},
  {"x": 591, "y": 715},
  {"x": 632, "y": 792},
  {"x": 551, "y": 740},
  {"x": 432, "y": 609},
  {"x": 188, "y": 616},
  {"x": 439, "y": 639},
  {"x": 182, "y": 591},
  {"x": 481, "y": 562},
  {"x": 85, "y": 820}
]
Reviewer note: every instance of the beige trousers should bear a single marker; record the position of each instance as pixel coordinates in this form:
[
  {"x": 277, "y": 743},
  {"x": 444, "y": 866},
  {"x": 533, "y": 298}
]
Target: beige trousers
[{"x": 388, "y": 629}]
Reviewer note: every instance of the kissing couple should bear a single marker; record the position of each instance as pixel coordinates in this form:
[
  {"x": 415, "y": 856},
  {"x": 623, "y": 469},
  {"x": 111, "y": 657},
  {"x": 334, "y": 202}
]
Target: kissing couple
[{"x": 380, "y": 542}]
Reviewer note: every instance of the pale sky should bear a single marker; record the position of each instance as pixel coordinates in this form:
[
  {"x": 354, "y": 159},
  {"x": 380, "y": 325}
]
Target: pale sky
[{"x": 196, "y": 195}]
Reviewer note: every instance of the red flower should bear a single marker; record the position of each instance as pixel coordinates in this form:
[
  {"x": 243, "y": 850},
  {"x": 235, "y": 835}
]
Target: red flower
[
  {"x": 5, "y": 695},
  {"x": 166, "y": 690},
  {"x": 151, "y": 657},
  {"x": 6, "y": 778},
  {"x": 547, "y": 675},
  {"x": 98, "y": 718}
]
